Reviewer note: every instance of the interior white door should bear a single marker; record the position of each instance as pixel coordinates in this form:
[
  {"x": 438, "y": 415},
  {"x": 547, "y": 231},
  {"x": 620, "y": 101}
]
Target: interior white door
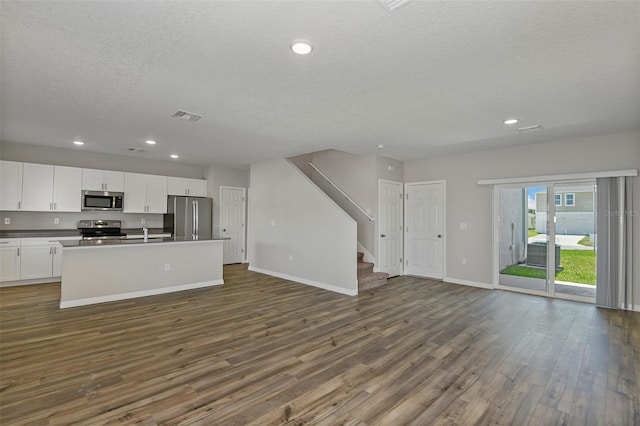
[
  {"x": 425, "y": 230},
  {"x": 390, "y": 227},
  {"x": 232, "y": 208}
]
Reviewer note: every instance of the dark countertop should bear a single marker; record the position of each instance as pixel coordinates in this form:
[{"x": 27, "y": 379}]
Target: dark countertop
[
  {"x": 53, "y": 233},
  {"x": 35, "y": 233},
  {"x": 102, "y": 243}
]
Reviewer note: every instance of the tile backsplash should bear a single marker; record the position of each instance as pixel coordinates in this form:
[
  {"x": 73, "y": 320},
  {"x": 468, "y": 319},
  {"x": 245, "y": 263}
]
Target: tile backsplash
[{"x": 46, "y": 220}]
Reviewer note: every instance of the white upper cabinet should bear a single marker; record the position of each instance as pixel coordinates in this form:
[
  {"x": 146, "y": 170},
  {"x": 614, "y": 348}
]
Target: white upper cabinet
[
  {"x": 145, "y": 193},
  {"x": 102, "y": 180},
  {"x": 37, "y": 187},
  {"x": 186, "y": 186},
  {"x": 10, "y": 185},
  {"x": 67, "y": 191},
  {"x": 156, "y": 194},
  {"x": 51, "y": 188}
]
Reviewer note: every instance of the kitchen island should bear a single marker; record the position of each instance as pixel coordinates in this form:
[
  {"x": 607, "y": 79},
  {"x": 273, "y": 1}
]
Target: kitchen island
[{"x": 97, "y": 272}]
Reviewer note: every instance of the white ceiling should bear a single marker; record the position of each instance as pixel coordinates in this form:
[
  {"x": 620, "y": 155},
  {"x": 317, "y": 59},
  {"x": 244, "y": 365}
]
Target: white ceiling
[{"x": 433, "y": 77}]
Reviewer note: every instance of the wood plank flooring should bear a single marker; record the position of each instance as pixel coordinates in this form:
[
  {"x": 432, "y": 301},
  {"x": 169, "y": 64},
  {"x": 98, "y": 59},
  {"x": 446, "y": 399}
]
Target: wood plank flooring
[{"x": 264, "y": 351}]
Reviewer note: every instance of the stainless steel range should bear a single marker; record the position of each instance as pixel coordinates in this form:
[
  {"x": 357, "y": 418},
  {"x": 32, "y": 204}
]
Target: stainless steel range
[{"x": 101, "y": 230}]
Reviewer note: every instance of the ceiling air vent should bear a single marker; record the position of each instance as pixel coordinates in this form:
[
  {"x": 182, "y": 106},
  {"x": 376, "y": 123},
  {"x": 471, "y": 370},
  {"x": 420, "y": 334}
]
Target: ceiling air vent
[
  {"x": 529, "y": 128},
  {"x": 392, "y": 5},
  {"x": 188, "y": 116},
  {"x": 136, "y": 149}
]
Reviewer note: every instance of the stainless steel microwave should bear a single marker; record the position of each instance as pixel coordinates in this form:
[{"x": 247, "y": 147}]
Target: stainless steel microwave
[{"x": 102, "y": 200}]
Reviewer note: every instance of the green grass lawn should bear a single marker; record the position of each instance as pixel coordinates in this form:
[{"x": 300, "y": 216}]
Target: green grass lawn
[
  {"x": 579, "y": 266},
  {"x": 586, "y": 241},
  {"x": 532, "y": 233}
]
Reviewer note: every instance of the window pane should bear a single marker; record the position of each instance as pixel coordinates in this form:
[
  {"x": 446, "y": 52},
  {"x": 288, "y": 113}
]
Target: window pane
[
  {"x": 558, "y": 199},
  {"x": 569, "y": 200}
]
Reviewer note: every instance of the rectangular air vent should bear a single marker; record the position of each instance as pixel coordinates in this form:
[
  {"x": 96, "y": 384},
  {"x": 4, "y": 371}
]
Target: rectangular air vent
[
  {"x": 529, "y": 128},
  {"x": 392, "y": 5},
  {"x": 189, "y": 116}
]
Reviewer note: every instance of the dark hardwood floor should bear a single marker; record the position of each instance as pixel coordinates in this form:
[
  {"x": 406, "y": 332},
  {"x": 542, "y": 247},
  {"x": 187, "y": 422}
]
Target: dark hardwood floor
[{"x": 265, "y": 351}]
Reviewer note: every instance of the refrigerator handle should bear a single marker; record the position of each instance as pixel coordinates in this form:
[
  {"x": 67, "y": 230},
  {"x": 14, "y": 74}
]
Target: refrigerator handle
[
  {"x": 197, "y": 218},
  {"x": 193, "y": 218}
]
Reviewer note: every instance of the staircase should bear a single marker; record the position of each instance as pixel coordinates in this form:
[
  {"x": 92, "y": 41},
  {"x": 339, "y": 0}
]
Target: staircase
[{"x": 367, "y": 279}]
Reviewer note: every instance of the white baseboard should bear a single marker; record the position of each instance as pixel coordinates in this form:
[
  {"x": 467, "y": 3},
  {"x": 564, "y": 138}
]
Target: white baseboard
[
  {"x": 123, "y": 296},
  {"x": 323, "y": 286},
  {"x": 468, "y": 283}
]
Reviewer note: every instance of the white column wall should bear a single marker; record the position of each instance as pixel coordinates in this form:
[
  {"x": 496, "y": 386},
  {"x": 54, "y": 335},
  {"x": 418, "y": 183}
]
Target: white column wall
[{"x": 297, "y": 232}]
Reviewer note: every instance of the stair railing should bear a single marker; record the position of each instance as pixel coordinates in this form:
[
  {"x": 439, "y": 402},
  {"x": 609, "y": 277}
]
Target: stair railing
[{"x": 342, "y": 192}]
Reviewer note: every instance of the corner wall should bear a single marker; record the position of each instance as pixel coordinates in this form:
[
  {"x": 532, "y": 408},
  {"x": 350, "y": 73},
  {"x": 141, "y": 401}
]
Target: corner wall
[
  {"x": 471, "y": 203},
  {"x": 297, "y": 232}
]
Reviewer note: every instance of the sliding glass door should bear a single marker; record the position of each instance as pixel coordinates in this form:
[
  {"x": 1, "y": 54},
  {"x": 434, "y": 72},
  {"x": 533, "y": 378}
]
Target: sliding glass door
[{"x": 545, "y": 239}]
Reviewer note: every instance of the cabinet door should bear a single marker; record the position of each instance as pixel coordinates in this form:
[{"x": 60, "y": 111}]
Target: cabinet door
[
  {"x": 176, "y": 186},
  {"x": 156, "y": 194},
  {"x": 10, "y": 185},
  {"x": 37, "y": 187},
  {"x": 196, "y": 187},
  {"x": 67, "y": 182},
  {"x": 57, "y": 259},
  {"x": 92, "y": 180},
  {"x": 114, "y": 181},
  {"x": 135, "y": 193},
  {"x": 9, "y": 263},
  {"x": 35, "y": 261}
]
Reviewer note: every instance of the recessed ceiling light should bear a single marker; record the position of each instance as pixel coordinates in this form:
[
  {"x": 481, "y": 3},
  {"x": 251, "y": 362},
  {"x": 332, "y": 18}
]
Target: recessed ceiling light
[
  {"x": 78, "y": 142},
  {"x": 380, "y": 146},
  {"x": 174, "y": 156},
  {"x": 151, "y": 142},
  {"x": 301, "y": 47},
  {"x": 511, "y": 121}
]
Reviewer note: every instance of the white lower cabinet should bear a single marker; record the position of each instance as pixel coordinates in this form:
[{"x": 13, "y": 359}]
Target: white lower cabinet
[
  {"x": 9, "y": 260},
  {"x": 35, "y": 261},
  {"x": 56, "y": 248},
  {"x": 29, "y": 259}
]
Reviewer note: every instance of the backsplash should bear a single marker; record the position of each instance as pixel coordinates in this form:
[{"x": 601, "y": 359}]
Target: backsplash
[{"x": 45, "y": 220}]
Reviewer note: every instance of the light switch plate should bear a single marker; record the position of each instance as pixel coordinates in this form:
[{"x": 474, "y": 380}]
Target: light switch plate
[
  {"x": 7, "y": 221},
  {"x": 56, "y": 221}
]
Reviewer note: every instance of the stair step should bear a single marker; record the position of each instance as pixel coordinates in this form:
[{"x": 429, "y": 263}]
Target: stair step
[
  {"x": 373, "y": 280},
  {"x": 373, "y": 276},
  {"x": 364, "y": 268}
]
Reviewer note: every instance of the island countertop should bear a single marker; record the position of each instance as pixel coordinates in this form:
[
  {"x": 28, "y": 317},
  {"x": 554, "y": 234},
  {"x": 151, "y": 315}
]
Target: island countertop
[{"x": 128, "y": 242}]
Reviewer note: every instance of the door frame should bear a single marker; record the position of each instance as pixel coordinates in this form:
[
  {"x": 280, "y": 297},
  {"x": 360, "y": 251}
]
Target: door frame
[
  {"x": 244, "y": 218},
  {"x": 444, "y": 222},
  {"x": 377, "y": 225},
  {"x": 551, "y": 236}
]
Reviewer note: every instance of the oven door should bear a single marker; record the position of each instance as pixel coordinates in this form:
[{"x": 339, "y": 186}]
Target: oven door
[{"x": 97, "y": 200}]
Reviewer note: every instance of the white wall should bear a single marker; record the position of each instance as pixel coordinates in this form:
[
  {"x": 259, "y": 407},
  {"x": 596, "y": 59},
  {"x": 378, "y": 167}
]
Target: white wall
[
  {"x": 358, "y": 177},
  {"x": 471, "y": 203},
  {"x": 297, "y": 232}
]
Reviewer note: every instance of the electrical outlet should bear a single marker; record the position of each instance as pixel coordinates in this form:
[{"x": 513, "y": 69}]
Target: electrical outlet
[
  {"x": 290, "y": 258},
  {"x": 142, "y": 221},
  {"x": 464, "y": 260},
  {"x": 56, "y": 221},
  {"x": 167, "y": 267},
  {"x": 7, "y": 221},
  {"x": 463, "y": 225}
]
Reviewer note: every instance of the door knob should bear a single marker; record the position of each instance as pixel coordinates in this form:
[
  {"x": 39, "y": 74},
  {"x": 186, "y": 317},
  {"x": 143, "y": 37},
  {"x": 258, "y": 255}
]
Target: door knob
[
  {"x": 224, "y": 230},
  {"x": 439, "y": 235},
  {"x": 382, "y": 235}
]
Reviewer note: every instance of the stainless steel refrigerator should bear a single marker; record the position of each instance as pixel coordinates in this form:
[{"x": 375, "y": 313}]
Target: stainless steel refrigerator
[{"x": 188, "y": 217}]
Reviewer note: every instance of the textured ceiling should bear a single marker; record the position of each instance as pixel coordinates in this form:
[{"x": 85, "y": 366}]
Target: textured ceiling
[{"x": 431, "y": 78}]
